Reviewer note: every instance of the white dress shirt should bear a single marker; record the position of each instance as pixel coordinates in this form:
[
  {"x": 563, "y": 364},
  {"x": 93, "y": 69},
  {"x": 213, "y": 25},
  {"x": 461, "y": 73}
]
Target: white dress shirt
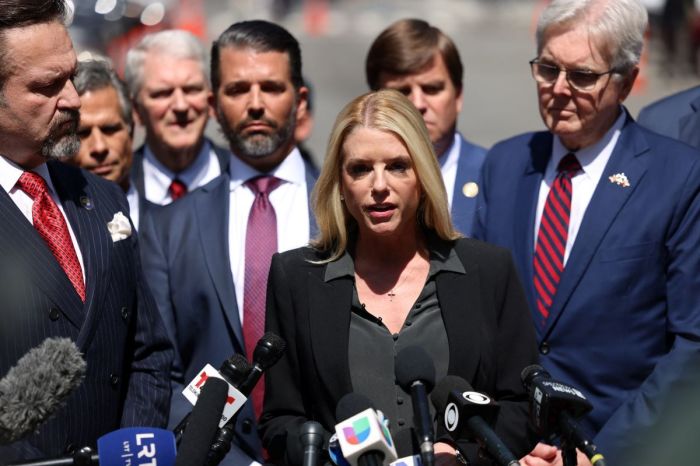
[
  {"x": 448, "y": 166},
  {"x": 593, "y": 160},
  {"x": 157, "y": 177},
  {"x": 9, "y": 176},
  {"x": 132, "y": 197},
  {"x": 291, "y": 204}
]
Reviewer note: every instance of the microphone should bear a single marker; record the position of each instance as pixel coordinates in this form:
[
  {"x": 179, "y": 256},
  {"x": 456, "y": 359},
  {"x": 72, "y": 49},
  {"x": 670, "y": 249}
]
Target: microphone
[
  {"x": 469, "y": 415},
  {"x": 203, "y": 423},
  {"x": 138, "y": 446},
  {"x": 37, "y": 386},
  {"x": 267, "y": 352},
  {"x": 554, "y": 408},
  {"x": 234, "y": 370},
  {"x": 311, "y": 437},
  {"x": 415, "y": 371},
  {"x": 363, "y": 438}
]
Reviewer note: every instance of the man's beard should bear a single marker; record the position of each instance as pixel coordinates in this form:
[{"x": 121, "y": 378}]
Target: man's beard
[
  {"x": 258, "y": 146},
  {"x": 62, "y": 144}
]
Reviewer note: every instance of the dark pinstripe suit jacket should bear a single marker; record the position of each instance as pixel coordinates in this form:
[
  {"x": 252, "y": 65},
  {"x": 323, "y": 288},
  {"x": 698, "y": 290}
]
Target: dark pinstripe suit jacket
[{"x": 118, "y": 328}]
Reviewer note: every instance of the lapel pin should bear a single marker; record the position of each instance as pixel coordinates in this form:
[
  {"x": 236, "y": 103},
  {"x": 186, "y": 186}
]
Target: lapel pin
[
  {"x": 470, "y": 189},
  {"x": 620, "y": 179},
  {"x": 86, "y": 202}
]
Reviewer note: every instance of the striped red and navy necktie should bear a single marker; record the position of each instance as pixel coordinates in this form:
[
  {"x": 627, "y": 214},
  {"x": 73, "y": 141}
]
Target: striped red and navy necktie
[{"x": 552, "y": 236}]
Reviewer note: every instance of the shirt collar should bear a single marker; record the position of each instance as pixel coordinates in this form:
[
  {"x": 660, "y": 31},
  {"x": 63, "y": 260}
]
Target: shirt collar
[
  {"x": 10, "y": 173},
  {"x": 188, "y": 175},
  {"x": 451, "y": 155},
  {"x": 290, "y": 170},
  {"x": 443, "y": 258},
  {"x": 594, "y": 157}
]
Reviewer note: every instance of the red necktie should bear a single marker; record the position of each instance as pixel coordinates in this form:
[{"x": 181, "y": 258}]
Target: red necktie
[
  {"x": 260, "y": 245},
  {"x": 552, "y": 235},
  {"x": 177, "y": 189},
  {"x": 51, "y": 225}
]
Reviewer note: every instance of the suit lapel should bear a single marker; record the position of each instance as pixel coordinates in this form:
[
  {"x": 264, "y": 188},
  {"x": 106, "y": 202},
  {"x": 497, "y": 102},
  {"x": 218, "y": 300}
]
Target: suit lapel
[
  {"x": 526, "y": 208},
  {"x": 689, "y": 125},
  {"x": 464, "y": 344},
  {"x": 329, "y": 323},
  {"x": 83, "y": 210},
  {"x": 212, "y": 222},
  {"x": 608, "y": 198},
  {"x": 468, "y": 170},
  {"x": 23, "y": 243}
]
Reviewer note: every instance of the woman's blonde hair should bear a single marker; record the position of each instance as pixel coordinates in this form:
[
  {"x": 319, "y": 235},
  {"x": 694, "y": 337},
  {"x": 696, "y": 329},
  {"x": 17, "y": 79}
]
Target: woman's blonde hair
[{"x": 390, "y": 111}]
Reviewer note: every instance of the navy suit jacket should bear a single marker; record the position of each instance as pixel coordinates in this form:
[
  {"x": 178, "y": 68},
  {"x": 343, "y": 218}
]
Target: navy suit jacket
[
  {"x": 676, "y": 116},
  {"x": 187, "y": 263},
  {"x": 118, "y": 328},
  {"x": 624, "y": 326},
  {"x": 471, "y": 158},
  {"x": 137, "y": 177}
]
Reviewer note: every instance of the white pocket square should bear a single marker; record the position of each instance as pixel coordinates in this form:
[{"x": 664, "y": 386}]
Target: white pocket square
[{"x": 119, "y": 227}]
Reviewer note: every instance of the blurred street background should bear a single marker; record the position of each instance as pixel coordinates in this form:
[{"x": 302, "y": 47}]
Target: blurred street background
[{"x": 495, "y": 39}]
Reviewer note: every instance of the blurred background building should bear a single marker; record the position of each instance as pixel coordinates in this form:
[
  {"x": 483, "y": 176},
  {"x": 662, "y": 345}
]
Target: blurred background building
[{"x": 495, "y": 39}]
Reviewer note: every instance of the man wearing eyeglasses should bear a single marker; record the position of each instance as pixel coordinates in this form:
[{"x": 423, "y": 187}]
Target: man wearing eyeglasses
[{"x": 602, "y": 217}]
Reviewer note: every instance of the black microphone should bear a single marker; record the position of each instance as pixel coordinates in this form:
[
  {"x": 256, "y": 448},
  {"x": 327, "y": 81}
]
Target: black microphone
[
  {"x": 37, "y": 386},
  {"x": 554, "y": 408},
  {"x": 203, "y": 422},
  {"x": 311, "y": 436},
  {"x": 469, "y": 415},
  {"x": 267, "y": 352},
  {"x": 415, "y": 371},
  {"x": 234, "y": 370}
]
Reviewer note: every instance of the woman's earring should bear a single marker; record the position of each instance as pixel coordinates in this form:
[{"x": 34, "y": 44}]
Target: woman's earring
[{"x": 342, "y": 198}]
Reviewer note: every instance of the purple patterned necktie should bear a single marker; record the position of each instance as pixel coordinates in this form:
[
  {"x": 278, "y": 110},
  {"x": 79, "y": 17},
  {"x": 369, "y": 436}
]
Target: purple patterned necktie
[
  {"x": 552, "y": 236},
  {"x": 260, "y": 245}
]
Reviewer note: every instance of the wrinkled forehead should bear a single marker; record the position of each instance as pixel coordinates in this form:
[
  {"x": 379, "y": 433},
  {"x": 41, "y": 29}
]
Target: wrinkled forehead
[{"x": 576, "y": 42}]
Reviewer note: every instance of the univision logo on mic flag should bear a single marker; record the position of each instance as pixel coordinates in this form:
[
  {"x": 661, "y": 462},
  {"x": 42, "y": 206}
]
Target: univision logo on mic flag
[
  {"x": 357, "y": 432},
  {"x": 362, "y": 433}
]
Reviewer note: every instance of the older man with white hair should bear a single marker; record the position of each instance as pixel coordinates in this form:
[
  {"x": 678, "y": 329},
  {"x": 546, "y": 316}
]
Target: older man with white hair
[
  {"x": 602, "y": 218},
  {"x": 167, "y": 73}
]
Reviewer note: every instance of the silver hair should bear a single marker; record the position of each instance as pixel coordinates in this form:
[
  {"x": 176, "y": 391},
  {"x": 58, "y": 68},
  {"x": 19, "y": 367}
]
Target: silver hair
[
  {"x": 620, "y": 24},
  {"x": 174, "y": 43},
  {"x": 96, "y": 74}
]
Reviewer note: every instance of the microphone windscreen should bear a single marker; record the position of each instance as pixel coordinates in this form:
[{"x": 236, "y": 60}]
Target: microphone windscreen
[
  {"x": 203, "y": 423},
  {"x": 412, "y": 364},
  {"x": 530, "y": 372},
  {"x": 443, "y": 389},
  {"x": 235, "y": 369},
  {"x": 37, "y": 386},
  {"x": 269, "y": 350},
  {"x": 351, "y": 404}
]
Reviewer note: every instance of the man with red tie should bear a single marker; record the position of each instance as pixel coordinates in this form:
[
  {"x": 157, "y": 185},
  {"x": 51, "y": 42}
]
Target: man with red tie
[
  {"x": 207, "y": 256},
  {"x": 602, "y": 217},
  {"x": 69, "y": 264},
  {"x": 167, "y": 77}
]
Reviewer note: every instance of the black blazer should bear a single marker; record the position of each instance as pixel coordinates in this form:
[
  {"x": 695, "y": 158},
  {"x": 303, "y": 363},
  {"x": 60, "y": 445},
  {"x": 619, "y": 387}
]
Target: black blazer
[{"x": 489, "y": 330}]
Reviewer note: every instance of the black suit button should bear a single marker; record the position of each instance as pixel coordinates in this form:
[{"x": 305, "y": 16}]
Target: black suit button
[
  {"x": 125, "y": 313},
  {"x": 401, "y": 422},
  {"x": 54, "y": 314},
  {"x": 70, "y": 449},
  {"x": 544, "y": 348},
  {"x": 247, "y": 426},
  {"x": 114, "y": 379},
  {"x": 399, "y": 400}
]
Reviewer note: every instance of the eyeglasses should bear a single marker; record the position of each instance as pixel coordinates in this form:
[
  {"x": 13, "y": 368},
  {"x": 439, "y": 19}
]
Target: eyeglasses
[{"x": 578, "y": 79}]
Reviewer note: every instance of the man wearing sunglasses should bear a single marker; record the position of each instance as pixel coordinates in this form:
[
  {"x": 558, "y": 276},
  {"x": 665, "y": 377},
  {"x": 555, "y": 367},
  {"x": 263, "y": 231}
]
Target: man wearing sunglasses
[{"x": 602, "y": 218}]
